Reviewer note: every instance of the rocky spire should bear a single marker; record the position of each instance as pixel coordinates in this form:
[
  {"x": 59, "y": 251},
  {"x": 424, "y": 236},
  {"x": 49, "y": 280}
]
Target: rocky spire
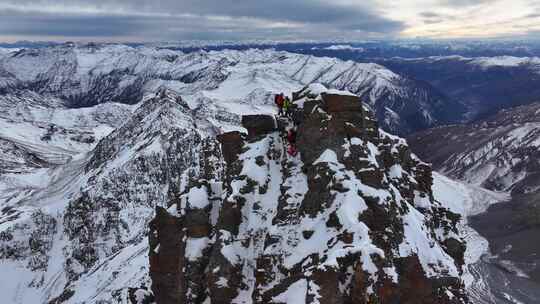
[{"x": 351, "y": 219}]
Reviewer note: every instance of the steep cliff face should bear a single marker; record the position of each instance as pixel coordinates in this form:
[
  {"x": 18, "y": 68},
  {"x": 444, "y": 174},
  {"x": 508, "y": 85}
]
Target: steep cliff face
[{"x": 350, "y": 219}]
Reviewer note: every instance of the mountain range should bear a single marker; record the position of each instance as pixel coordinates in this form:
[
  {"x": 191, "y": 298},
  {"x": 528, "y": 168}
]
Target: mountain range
[
  {"x": 485, "y": 85},
  {"x": 106, "y": 149},
  {"x": 93, "y": 74},
  {"x": 499, "y": 153}
]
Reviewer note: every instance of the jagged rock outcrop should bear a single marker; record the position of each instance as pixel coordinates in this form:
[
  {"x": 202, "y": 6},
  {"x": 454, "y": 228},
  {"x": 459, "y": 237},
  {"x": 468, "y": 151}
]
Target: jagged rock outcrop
[
  {"x": 165, "y": 238},
  {"x": 231, "y": 145},
  {"x": 351, "y": 219},
  {"x": 259, "y": 124}
]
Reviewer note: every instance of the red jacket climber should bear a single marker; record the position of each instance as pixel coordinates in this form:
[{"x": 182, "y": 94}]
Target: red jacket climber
[
  {"x": 291, "y": 136},
  {"x": 279, "y": 101},
  {"x": 292, "y": 150}
]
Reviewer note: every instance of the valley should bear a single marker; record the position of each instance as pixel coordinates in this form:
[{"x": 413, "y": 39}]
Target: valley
[{"x": 498, "y": 153}]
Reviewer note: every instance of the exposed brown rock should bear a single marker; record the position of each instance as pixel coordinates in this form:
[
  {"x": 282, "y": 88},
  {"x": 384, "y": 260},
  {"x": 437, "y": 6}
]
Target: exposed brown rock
[
  {"x": 259, "y": 124},
  {"x": 224, "y": 280},
  {"x": 231, "y": 145},
  {"x": 166, "y": 258},
  {"x": 341, "y": 103},
  {"x": 456, "y": 249},
  {"x": 328, "y": 282},
  {"x": 196, "y": 221}
]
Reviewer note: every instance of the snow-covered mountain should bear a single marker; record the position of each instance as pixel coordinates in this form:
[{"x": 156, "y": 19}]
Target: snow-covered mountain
[
  {"x": 352, "y": 218},
  {"x": 94, "y": 138},
  {"x": 38, "y": 131},
  {"x": 93, "y": 74},
  {"x": 77, "y": 231},
  {"x": 499, "y": 153},
  {"x": 74, "y": 228}
]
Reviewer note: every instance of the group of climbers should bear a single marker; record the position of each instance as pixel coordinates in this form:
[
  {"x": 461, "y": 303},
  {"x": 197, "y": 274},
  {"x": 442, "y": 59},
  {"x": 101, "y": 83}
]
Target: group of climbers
[
  {"x": 283, "y": 103},
  {"x": 284, "y": 106}
]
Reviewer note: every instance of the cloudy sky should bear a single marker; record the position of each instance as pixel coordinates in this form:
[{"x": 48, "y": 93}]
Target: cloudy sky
[{"x": 168, "y": 20}]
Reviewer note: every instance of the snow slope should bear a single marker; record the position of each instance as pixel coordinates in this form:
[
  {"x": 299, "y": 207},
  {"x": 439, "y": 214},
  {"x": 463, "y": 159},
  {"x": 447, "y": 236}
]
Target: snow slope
[
  {"x": 39, "y": 131},
  {"x": 468, "y": 200},
  {"x": 78, "y": 230},
  {"x": 499, "y": 153}
]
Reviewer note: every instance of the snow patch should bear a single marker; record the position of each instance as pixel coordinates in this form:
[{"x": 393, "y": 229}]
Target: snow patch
[
  {"x": 296, "y": 293},
  {"x": 198, "y": 197}
]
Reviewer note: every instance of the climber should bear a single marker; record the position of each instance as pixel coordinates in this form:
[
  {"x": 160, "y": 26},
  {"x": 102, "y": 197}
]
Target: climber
[
  {"x": 292, "y": 150},
  {"x": 279, "y": 101},
  {"x": 291, "y": 138},
  {"x": 287, "y": 106}
]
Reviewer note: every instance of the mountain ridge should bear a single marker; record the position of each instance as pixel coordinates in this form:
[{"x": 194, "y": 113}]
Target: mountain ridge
[
  {"x": 88, "y": 75},
  {"x": 294, "y": 228}
]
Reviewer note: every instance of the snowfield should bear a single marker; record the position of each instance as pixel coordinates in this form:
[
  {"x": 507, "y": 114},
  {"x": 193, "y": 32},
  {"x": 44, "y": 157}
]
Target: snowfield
[{"x": 467, "y": 200}]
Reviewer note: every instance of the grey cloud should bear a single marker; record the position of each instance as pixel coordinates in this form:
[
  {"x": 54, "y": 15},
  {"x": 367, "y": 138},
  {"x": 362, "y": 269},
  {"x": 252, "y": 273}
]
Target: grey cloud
[
  {"x": 465, "y": 3},
  {"x": 429, "y": 17},
  {"x": 433, "y": 21},
  {"x": 535, "y": 6},
  {"x": 241, "y": 18},
  {"x": 15, "y": 23},
  {"x": 429, "y": 14}
]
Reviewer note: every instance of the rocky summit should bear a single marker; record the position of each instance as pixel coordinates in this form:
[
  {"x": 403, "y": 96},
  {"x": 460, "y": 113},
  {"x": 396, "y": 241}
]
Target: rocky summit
[{"x": 351, "y": 218}]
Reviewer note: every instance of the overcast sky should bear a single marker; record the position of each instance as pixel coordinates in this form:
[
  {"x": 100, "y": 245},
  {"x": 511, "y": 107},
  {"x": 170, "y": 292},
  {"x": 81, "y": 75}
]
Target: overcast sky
[{"x": 169, "y": 20}]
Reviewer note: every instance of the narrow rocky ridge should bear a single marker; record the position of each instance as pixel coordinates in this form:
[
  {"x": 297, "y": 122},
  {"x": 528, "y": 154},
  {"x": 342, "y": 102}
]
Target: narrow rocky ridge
[{"x": 351, "y": 219}]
